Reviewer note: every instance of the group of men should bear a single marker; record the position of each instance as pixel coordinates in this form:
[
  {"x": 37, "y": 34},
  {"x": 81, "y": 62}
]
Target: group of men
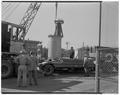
[{"x": 27, "y": 68}]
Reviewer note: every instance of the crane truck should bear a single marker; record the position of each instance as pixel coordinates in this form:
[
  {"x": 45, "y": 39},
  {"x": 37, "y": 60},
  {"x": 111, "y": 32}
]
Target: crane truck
[
  {"x": 13, "y": 39},
  {"x": 11, "y": 47}
]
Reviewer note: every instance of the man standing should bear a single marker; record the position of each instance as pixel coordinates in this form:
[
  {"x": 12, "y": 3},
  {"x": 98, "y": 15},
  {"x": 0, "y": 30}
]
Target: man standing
[
  {"x": 33, "y": 68},
  {"x": 72, "y": 53},
  {"x": 23, "y": 61}
]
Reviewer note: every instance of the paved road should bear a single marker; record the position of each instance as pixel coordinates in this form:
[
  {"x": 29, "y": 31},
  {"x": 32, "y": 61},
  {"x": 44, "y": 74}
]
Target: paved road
[{"x": 64, "y": 83}]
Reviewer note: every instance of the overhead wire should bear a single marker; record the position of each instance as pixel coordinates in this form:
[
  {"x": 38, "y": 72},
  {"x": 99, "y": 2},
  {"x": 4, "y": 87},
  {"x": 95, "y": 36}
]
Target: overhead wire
[
  {"x": 7, "y": 10},
  {"x": 14, "y": 8},
  {"x": 6, "y": 6}
]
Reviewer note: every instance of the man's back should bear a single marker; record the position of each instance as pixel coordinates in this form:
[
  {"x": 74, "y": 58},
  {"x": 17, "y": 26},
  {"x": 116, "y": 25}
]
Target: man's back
[
  {"x": 34, "y": 62},
  {"x": 22, "y": 59}
]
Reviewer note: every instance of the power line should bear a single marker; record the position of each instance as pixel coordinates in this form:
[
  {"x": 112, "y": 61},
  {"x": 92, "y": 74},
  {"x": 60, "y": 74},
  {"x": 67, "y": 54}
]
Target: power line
[
  {"x": 12, "y": 11},
  {"x": 4, "y": 5},
  {"x": 9, "y": 12},
  {"x": 8, "y": 8}
]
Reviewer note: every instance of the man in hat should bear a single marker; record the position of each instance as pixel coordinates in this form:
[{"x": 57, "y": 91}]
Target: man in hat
[
  {"x": 32, "y": 69},
  {"x": 23, "y": 60},
  {"x": 72, "y": 53}
]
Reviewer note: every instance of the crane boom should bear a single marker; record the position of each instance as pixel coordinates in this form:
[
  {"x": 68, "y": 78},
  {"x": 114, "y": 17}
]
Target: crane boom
[{"x": 28, "y": 19}]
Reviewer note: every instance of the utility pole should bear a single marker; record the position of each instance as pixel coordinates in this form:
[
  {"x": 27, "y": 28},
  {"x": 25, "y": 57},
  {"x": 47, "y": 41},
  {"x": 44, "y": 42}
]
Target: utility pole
[{"x": 97, "y": 75}]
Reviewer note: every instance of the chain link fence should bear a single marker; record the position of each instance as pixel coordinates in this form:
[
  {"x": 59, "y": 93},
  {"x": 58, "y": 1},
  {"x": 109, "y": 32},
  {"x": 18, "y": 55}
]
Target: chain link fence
[{"x": 108, "y": 69}]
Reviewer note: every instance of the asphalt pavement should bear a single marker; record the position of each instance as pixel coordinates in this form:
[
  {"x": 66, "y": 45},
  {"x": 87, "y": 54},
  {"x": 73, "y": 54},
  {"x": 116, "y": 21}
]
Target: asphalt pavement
[{"x": 62, "y": 83}]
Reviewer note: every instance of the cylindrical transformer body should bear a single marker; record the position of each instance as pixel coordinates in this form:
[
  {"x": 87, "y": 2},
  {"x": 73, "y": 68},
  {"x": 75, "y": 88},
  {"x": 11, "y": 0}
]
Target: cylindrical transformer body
[{"x": 54, "y": 48}]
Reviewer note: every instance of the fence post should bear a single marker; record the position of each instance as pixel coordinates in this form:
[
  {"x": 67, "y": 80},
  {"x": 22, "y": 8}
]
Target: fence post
[{"x": 97, "y": 78}]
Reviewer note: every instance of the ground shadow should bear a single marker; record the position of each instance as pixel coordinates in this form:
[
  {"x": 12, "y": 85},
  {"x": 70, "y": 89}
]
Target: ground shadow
[{"x": 46, "y": 84}]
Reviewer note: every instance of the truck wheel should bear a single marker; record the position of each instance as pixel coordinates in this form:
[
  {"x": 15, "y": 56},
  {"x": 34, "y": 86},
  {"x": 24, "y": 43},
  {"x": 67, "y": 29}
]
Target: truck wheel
[
  {"x": 7, "y": 69},
  {"x": 48, "y": 69}
]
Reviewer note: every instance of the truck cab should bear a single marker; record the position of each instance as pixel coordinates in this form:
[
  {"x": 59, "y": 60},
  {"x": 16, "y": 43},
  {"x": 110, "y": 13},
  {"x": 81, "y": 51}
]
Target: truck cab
[{"x": 10, "y": 47}]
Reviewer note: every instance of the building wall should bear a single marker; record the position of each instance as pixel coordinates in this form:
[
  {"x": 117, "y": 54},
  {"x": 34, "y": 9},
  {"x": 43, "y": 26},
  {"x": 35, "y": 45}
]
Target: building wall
[{"x": 31, "y": 45}]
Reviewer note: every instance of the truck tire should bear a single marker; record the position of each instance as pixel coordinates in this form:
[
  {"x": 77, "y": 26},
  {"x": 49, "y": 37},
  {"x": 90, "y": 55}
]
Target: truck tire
[
  {"x": 7, "y": 68},
  {"x": 48, "y": 69}
]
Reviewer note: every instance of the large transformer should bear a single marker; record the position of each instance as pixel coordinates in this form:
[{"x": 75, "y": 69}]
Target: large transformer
[{"x": 54, "y": 49}]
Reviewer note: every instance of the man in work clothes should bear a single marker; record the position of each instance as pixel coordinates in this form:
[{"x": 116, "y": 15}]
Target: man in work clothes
[
  {"x": 86, "y": 63},
  {"x": 72, "y": 53},
  {"x": 32, "y": 69},
  {"x": 23, "y": 61}
]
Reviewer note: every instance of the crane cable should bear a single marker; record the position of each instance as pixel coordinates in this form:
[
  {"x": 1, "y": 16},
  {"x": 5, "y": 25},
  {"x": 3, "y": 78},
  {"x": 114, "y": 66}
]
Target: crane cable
[
  {"x": 12, "y": 11},
  {"x": 4, "y": 6},
  {"x": 7, "y": 9}
]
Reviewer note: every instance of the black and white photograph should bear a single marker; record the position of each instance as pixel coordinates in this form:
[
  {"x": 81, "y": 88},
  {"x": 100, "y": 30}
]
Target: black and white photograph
[{"x": 59, "y": 47}]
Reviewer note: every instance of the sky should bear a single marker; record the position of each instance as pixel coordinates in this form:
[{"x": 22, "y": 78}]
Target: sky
[
  {"x": 110, "y": 22},
  {"x": 81, "y": 22}
]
